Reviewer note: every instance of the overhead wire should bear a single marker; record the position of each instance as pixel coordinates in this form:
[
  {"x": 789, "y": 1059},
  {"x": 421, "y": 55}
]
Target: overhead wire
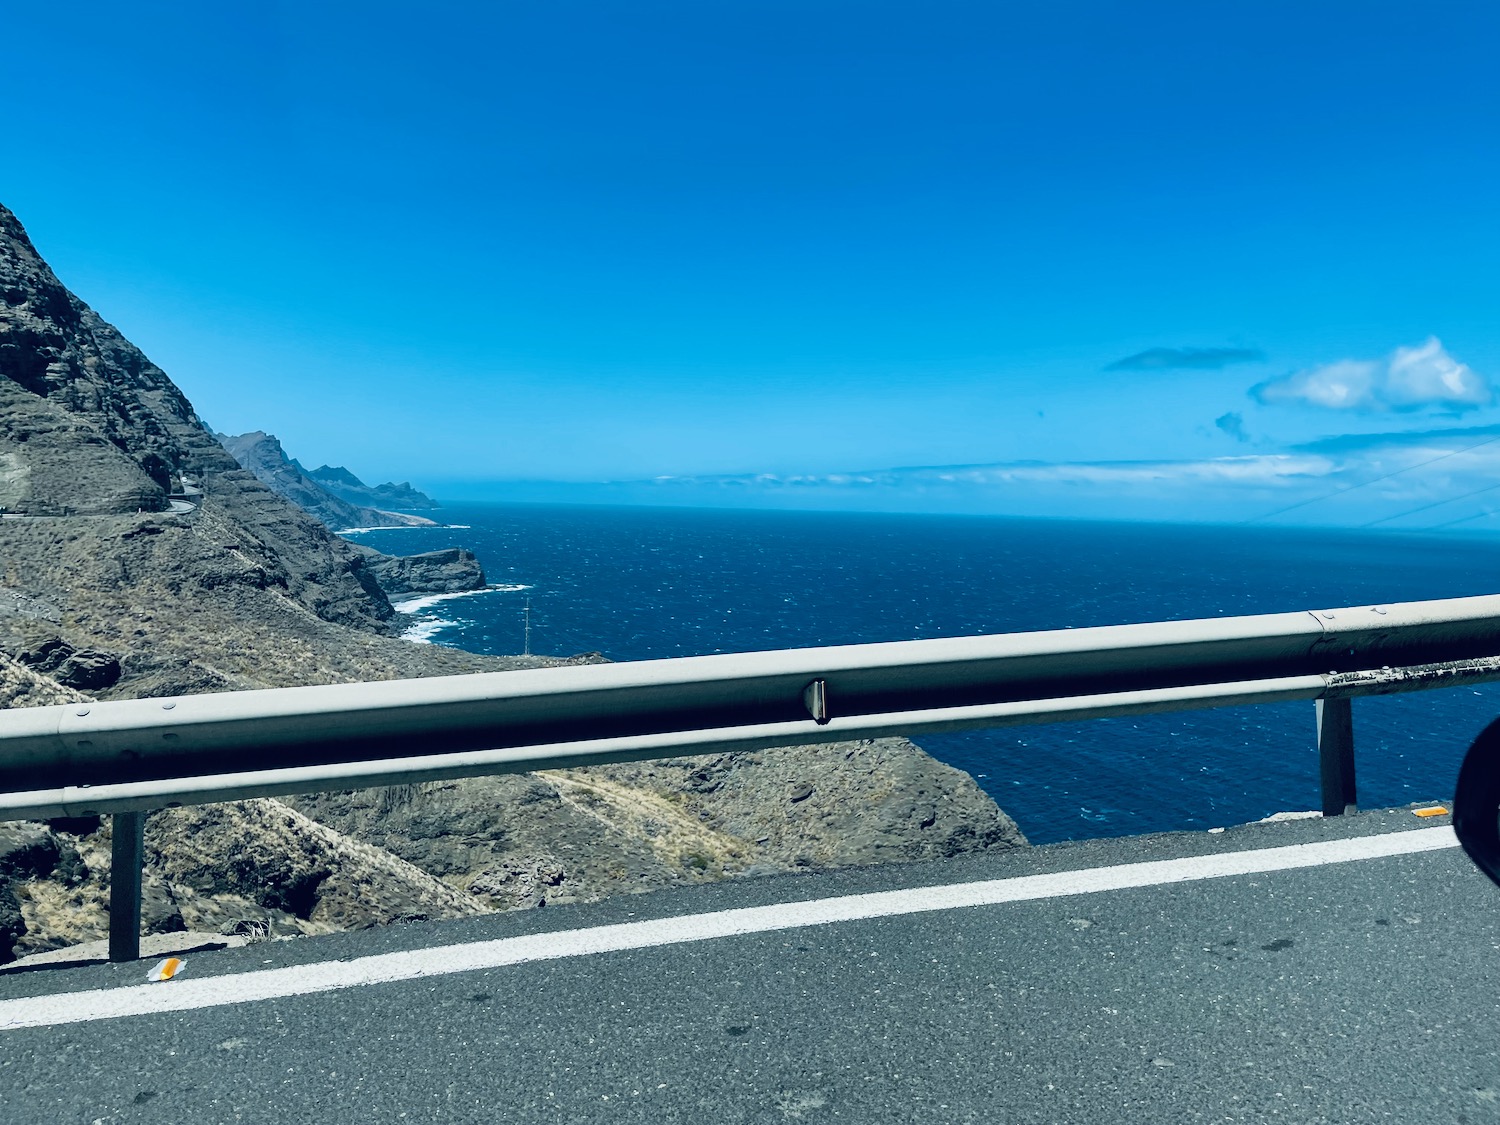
[
  {"x": 1374, "y": 480},
  {"x": 1434, "y": 504},
  {"x": 1461, "y": 519}
]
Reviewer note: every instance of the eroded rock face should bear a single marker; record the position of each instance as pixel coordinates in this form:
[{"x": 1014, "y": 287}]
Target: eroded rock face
[
  {"x": 72, "y": 385},
  {"x": 236, "y": 588},
  {"x": 284, "y": 862},
  {"x": 450, "y": 571},
  {"x": 89, "y": 427},
  {"x": 571, "y": 835},
  {"x": 244, "y": 867},
  {"x": 84, "y": 669},
  {"x": 21, "y": 686},
  {"x": 30, "y": 853},
  {"x": 54, "y": 463},
  {"x": 875, "y": 800}
]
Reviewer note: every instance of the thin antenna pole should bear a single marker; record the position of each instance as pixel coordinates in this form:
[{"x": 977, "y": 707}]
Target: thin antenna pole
[{"x": 528, "y": 626}]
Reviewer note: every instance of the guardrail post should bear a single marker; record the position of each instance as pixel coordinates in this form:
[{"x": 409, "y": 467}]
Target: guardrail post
[
  {"x": 1336, "y": 754},
  {"x": 127, "y": 858}
]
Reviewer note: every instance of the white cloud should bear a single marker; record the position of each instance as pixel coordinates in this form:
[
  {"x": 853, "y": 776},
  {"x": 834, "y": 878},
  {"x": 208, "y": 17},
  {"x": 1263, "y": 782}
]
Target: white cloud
[
  {"x": 1425, "y": 377},
  {"x": 1269, "y": 469},
  {"x": 1414, "y": 480},
  {"x": 1420, "y": 375}
]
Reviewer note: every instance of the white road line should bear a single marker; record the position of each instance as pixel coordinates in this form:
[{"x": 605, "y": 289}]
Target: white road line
[{"x": 267, "y": 984}]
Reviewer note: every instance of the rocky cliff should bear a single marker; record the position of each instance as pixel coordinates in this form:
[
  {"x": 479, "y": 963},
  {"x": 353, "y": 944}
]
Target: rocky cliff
[
  {"x": 138, "y": 558},
  {"x": 103, "y": 572},
  {"x": 434, "y": 572},
  {"x": 452, "y": 570},
  {"x": 88, "y": 424}
]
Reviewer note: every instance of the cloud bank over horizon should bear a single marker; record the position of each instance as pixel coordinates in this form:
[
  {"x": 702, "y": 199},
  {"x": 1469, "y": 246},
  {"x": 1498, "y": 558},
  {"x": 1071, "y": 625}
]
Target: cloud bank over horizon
[
  {"x": 1411, "y": 482},
  {"x": 1421, "y": 378}
]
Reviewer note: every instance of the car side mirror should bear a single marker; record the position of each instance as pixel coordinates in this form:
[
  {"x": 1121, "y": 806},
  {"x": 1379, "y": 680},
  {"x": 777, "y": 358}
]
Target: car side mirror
[{"x": 1476, "y": 802}]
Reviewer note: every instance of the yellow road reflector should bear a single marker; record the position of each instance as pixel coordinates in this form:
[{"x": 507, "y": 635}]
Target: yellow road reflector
[
  {"x": 1431, "y": 810},
  {"x": 166, "y": 969}
]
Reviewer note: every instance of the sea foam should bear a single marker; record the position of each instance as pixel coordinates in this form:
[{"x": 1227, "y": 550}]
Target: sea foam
[{"x": 427, "y": 625}]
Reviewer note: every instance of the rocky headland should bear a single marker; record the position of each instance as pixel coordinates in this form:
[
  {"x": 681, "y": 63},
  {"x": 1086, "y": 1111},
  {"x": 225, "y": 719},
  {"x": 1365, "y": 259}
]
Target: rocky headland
[
  {"x": 452, "y": 570},
  {"x": 435, "y": 572},
  {"x": 139, "y": 558}
]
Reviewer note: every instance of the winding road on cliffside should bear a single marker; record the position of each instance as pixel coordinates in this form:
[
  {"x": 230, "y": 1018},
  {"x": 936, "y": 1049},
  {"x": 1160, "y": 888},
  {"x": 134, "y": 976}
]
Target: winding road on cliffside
[{"x": 1309, "y": 971}]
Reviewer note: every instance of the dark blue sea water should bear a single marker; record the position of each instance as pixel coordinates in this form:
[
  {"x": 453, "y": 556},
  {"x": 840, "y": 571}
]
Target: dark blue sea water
[{"x": 638, "y": 583}]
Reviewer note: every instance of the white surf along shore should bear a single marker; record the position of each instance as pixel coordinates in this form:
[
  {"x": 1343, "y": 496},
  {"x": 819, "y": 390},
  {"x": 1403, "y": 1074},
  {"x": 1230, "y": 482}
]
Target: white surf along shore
[{"x": 428, "y": 625}]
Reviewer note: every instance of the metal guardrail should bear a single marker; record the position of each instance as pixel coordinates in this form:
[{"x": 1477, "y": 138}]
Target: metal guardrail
[{"x": 126, "y": 757}]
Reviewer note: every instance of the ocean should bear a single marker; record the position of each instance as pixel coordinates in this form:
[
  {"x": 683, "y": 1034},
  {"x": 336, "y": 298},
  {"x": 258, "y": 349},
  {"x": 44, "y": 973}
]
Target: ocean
[{"x": 642, "y": 583}]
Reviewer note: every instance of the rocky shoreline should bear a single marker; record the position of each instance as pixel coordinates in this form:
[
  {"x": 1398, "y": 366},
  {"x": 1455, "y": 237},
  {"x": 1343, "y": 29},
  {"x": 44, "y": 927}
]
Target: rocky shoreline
[{"x": 139, "y": 558}]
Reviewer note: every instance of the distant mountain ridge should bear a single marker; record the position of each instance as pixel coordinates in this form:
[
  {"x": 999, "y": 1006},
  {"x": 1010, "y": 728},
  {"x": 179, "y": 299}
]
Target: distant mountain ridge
[
  {"x": 346, "y": 486},
  {"x": 261, "y": 453}
]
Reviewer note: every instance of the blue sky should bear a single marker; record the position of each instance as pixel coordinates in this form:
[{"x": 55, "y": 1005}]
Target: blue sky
[{"x": 465, "y": 244}]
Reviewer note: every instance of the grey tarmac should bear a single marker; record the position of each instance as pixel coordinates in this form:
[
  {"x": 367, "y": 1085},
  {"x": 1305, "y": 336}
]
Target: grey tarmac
[{"x": 1354, "y": 992}]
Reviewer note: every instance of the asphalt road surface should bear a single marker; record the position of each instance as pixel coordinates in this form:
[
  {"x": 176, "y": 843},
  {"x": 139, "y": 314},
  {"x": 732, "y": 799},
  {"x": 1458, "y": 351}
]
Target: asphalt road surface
[{"x": 1313, "y": 971}]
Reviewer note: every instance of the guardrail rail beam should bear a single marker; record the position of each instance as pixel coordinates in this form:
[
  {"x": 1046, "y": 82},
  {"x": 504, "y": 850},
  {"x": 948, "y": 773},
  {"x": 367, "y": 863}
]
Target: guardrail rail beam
[{"x": 127, "y": 757}]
